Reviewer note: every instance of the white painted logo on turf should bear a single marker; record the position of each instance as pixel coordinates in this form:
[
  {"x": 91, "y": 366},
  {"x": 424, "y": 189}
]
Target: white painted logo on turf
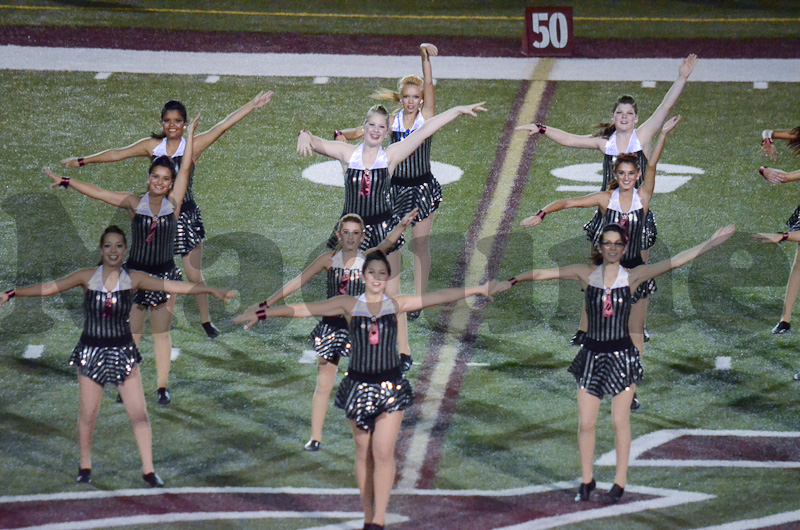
[
  {"x": 669, "y": 177},
  {"x": 330, "y": 173}
]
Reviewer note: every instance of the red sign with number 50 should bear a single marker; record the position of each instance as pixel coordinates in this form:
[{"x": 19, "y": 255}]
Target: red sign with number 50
[{"x": 548, "y": 32}]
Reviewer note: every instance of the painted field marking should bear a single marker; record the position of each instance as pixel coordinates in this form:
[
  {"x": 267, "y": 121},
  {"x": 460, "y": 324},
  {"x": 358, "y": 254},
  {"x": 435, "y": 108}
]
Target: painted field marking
[
  {"x": 33, "y": 351},
  {"x": 415, "y": 497},
  {"x": 669, "y": 177},
  {"x": 760, "y": 85},
  {"x": 102, "y": 75},
  {"x": 175, "y": 353},
  {"x": 308, "y": 357},
  {"x": 478, "y": 364},
  {"x": 430, "y": 406},
  {"x": 763, "y": 522},
  {"x": 652, "y": 440},
  {"x": 648, "y": 84},
  {"x": 322, "y": 80},
  {"x": 330, "y": 173},
  {"x": 212, "y": 79},
  {"x": 722, "y": 363}
]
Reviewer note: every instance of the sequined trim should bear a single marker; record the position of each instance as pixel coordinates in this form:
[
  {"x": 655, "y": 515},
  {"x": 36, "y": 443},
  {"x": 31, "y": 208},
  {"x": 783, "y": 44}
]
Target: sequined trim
[
  {"x": 364, "y": 402},
  {"x": 105, "y": 365},
  {"x": 603, "y": 373}
]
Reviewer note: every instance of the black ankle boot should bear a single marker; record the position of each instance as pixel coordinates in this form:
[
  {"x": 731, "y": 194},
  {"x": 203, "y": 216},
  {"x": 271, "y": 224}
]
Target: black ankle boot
[
  {"x": 84, "y": 475},
  {"x": 585, "y": 491},
  {"x": 615, "y": 494}
]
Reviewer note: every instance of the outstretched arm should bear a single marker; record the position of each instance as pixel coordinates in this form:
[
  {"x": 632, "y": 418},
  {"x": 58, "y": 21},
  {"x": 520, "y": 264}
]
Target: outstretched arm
[
  {"x": 410, "y": 302},
  {"x": 141, "y": 280},
  {"x": 182, "y": 178},
  {"x": 647, "y": 131},
  {"x": 338, "y": 305},
  {"x": 294, "y": 285},
  {"x": 779, "y": 237},
  {"x": 394, "y": 236},
  {"x": 777, "y": 176},
  {"x": 570, "y": 272},
  {"x": 649, "y": 183},
  {"x": 307, "y": 144},
  {"x": 427, "y": 51},
  {"x": 643, "y": 273},
  {"x": 75, "y": 279},
  {"x": 564, "y": 138},
  {"x": 399, "y": 151},
  {"x": 118, "y": 199},
  {"x": 205, "y": 139},
  {"x": 143, "y": 147},
  {"x": 598, "y": 200}
]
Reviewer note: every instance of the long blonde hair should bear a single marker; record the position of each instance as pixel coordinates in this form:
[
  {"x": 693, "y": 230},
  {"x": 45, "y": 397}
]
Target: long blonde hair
[{"x": 387, "y": 94}]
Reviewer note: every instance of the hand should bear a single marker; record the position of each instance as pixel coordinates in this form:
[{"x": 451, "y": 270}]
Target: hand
[
  {"x": 687, "y": 66},
  {"x": 472, "y": 110},
  {"x": 193, "y": 125},
  {"x": 409, "y": 218},
  {"x": 224, "y": 295},
  {"x": 532, "y": 128},
  {"x": 262, "y": 99},
  {"x": 73, "y": 162},
  {"x": 56, "y": 179},
  {"x": 249, "y": 319},
  {"x": 670, "y": 124},
  {"x": 501, "y": 287},
  {"x": 773, "y": 176},
  {"x": 768, "y": 148},
  {"x": 532, "y": 221},
  {"x": 769, "y": 238},
  {"x": 489, "y": 288},
  {"x": 428, "y": 50},
  {"x": 3, "y": 299},
  {"x": 304, "y": 146},
  {"x": 722, "y": 235}
]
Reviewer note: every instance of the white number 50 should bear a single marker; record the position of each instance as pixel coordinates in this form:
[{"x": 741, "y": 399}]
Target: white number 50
[{"x": 554, "y": 32}]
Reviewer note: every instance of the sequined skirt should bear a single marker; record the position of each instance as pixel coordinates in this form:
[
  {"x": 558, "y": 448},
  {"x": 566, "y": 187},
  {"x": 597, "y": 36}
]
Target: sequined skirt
[
  {"x": 794, "y": 221},
  {"x": 156, "y": 298},
  {"x": 649, "y": 235},
  {"x": 423, "y": 192},
  {"x": 105, "y": 364},
  {"x": 331, "y": 339},
  {"x": 190, "y": 229},
  {"x": 646, "y": 288},
  {"x": 607, "y": 368},
  {"x": 363, "y": 401}
]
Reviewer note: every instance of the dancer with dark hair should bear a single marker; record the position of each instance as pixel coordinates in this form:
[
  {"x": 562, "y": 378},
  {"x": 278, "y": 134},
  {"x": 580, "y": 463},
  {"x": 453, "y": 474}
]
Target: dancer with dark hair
[
  {"x": 374, "y": 392},
  {"x": 608, "y": 361},
  {"x": 106, "y": 353},
  {"x": 154, "y": 219},
  {"x": 170, "y": 143},
  {"x": 330, "y": 336}
]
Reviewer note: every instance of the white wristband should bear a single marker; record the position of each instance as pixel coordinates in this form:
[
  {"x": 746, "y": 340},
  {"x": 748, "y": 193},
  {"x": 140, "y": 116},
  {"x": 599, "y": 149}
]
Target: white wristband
[{"x": 766, "y": 134}]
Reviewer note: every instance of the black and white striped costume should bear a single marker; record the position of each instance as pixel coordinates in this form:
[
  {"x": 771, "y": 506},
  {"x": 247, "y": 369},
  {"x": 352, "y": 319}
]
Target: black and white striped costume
[
  {"x": 413, "y": 184},
  {"x": 190, "y": 231},
  {"x": 373, "y": 202},
  {"x": 634, "y": 221},
  {"x": 156, "y": 257},
  {"x": 793, "y": 224},
  {"x": 374, "y": 383},
  {"x": 608, "y": 362},
  {"x": 106, "y": 353},
  {"x": 611, "y": 152},
  {"x": 331, "y": 337}
]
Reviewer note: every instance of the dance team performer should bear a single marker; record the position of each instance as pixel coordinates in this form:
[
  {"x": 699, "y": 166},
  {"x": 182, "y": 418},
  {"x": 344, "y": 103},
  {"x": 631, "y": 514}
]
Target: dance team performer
[
  {"x": 330, "y": 337},
  {"x": 608, "y": 361},
  {"x": 154, "y": 219},
  {"x": 106, "y": 353},
  {"x": 170, "y": 143},
  {"x": 374, "y": 392},
  {"x": 367, "y": 182},
  {"x": 776, "y": 177},
  {"x": 413, "y": 184},
  {"x": 622, "y": 136}
]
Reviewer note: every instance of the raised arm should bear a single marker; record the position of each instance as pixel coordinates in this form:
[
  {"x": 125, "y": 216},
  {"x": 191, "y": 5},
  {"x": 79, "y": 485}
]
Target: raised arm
[
  {"x": 564, "y": 138},
  {"x": 182, "y": 178},
  {"x": 427, "y": 51},
  {"x": 141, "y": 280},
  {"x": 597, "y": 200},
  {"x": 647, "y": 131},
  {"x": 399, "y": 151},
  {"x": 143, "y": 147},
  {"x": 118, "y": 199},
  {"x": 338, "y": 305},
  {"x": 649, "y": 182},
  {"x": 777, "y": 176},
  {"x": 307, "y": 144},
  {"x": 643, "y": 273},
  {"x": 394, "y": 236},
  {"x": 410, "y": 302},
  {"x": 75, "y": 279},
  {"x": 205, "y": 139}
]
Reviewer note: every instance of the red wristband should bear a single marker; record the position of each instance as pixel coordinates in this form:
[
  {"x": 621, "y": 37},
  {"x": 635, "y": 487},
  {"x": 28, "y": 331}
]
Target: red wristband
[
  {"x": 542, "y": 128},
  {"x": 263, "y": 305},
  {"x": 336, "y": 133},
  {"x": 64, "y": 182},
  {"x": 784, "y": 236},
  {"x": 81, "y": 163},
  {"x": 262, "y": 315},
  {"x": 540, "y": 214},
  {"x": 513, "y": 281},
  {"x": 11, "y": 293}
]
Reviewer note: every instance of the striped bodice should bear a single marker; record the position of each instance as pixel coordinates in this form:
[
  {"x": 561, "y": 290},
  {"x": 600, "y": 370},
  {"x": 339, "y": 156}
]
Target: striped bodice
[
  {"x": 633, "y": 220},
  {"x": 373, "y": 358},
  {"x": 157, "y": 254},
  {"x": 367, "y": 190},
  {"x": 106, "y": 313},
  {"x": 419, "y": 163},
  {"x": 342, "y": 280},
  {"x": 177, "y": 159},
  {"x": 614, "y": 327}
]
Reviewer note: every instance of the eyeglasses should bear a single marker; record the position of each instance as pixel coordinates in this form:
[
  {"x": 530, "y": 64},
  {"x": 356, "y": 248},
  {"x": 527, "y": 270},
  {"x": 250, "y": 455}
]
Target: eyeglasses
[{"x": 609, "y": 244}]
